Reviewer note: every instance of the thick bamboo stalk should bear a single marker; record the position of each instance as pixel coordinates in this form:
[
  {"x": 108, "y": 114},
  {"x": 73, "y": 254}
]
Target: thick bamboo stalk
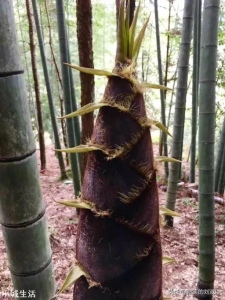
[
  {"x": 22, "y": 210},
  {"x": 30, "y": 89},
  {"x": 49, "y": 91},
  {"x": 207, "y": 81},
  {"x": 180, "y": 106},
  {"x": 217, "y": 200}
]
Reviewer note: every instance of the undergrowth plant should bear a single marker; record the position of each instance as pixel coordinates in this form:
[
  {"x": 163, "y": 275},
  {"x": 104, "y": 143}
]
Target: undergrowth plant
[{"x": 118, "y": 248}]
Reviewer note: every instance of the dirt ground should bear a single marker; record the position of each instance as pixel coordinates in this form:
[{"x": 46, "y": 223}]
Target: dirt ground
[{"x": 180, "y": 243}]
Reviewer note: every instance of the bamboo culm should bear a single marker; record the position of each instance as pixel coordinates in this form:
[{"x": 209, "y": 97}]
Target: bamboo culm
[
  {"x": 206, "y": 140},
  {"x": 49, "y": 91},
  {"x": 22, "y": 209},
  {"x": 162, "y": 93},
  {"x": 63, "y": 45},
  {"x": 180, "y": 106}
]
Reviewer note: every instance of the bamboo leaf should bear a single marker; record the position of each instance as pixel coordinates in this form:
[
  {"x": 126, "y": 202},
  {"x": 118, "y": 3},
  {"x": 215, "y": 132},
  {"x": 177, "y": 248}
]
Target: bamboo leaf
[
  {"x": 79, "y": 149},
  {"x": 75, "y": 273},
  {"x": 167, "y": 159},
  {"x": 86, "y": 109},
  {"x": 132, "y": 32},
  {"x": 91, "y": 71},
  {"x": 155, "y": 86},
  {"x": 165, "y": 211},
  {"x": 121, "y": 52},
  {"x": 167, "y": 260},
  {"x": 75, "y": 203},
  {"x": 160, "y": 126},
  {"x": 138, "y": 41}
]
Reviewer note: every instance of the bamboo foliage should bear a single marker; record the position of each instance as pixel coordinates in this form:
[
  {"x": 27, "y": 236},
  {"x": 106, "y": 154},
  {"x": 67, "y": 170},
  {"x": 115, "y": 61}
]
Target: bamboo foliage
[
  {"x": 22, "y": 210},
  {"x": 48, "y": 88},
  {"x": 208, "y": 62},
  {"x": 180, "y": 105}
]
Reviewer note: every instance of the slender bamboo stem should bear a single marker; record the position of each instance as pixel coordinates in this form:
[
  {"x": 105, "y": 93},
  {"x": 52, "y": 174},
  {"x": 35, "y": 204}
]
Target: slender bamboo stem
[
  {"x": 168, "y": 45},
  {"x": 172, "y": 96},
  {"x": 222, "y": 175},
  {"x": 195, "y": 82},
  {"x": 63, "y": 44},
  {"x": 162, "y": 94},
  {"x": 179, "y": 116},
  {"x": 51, "y": 46},
  {"x": 59, "y": 82},
  {"x": 41, "y": 132},
  {"x": 49, "y": 91}
]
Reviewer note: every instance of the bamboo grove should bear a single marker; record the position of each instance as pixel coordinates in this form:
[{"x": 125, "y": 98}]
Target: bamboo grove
[{"x": 107, "y": 144}]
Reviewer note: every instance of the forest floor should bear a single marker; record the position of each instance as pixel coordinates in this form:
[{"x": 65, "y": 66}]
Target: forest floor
[{"x": 180, "y": 242}]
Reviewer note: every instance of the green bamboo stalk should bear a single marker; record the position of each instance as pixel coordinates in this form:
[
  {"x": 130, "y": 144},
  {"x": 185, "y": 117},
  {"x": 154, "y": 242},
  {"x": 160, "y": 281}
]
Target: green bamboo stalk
[
  {"x": 41, "y": 131},
  {"x": 22, "y": 210},
  {"x": 63, "y": 44},
  {"x": 199, "y": 30},
  {"x": 219, "y": 157},
  {"x": 221, "y": 182},
  {"x": 180, "y": 105},
  {"x": 32, "y": 107},
  {"x": 76, "y": 122},
  {"x": 171, "y": 98},
  {"x": 162, "y": 93},
  {"x": 195, "y": 83},
  {"x": 168, "y": 45},
  {"x": 207, "y": 81},
  {"x": 49, "y": 91}
]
